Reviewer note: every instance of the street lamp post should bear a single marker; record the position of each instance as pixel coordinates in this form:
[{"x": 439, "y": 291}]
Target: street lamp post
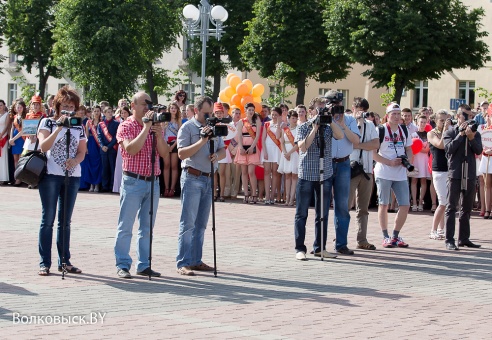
[{"x": 198, "y": 22}]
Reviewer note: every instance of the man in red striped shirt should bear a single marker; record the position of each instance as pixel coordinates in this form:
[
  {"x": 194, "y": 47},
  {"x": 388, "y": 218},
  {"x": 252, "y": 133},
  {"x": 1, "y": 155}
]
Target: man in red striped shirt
[{"x": 134, "y": 136}]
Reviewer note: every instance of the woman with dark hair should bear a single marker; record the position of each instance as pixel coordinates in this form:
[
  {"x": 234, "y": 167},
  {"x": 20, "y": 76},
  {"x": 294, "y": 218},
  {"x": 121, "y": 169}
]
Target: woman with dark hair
[
  {"x": 180, "y": 99},
  {"x": 52, "y": 135},
  {"x": 92, "y": 163},
  {"x": 18, "y": 113},
  {"x": 5, "y": 122},
  {"x": 171, "y": 171},
  {"x": 270, "y": 156}
]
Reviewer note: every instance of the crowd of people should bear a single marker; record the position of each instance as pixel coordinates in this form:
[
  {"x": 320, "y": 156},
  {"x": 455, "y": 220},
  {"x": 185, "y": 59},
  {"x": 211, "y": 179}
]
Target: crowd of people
[{"x": 274, "y": 155}]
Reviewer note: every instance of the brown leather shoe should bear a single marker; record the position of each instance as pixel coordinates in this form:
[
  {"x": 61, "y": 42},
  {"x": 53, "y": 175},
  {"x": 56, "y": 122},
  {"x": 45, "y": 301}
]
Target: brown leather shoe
[
  {"x": 185, "y": 271},
  {"x": 202, "y": 267}
]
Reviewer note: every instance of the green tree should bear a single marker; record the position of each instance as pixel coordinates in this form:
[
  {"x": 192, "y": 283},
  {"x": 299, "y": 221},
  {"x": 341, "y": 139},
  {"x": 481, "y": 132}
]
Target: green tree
[
  {"x": 291, "y": 32},
  {"x": 240, "y": 12},
  {"x": 107, "y": 45},
  {"x": 414, "y": 39},
  {"x": 29, "y": 34},
  {"x": 2, "y": 29}
]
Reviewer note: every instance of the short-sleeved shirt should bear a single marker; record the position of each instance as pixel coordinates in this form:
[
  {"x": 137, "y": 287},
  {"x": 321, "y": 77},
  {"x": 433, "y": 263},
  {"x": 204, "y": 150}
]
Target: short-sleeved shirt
[
  {"x": 188, "y": 135},
  {"x": 343, "y": 147},
  {"x": 140, "y": 163},
  {"x": 309, "y": 160},
  {"x": 390, "y": 148},
  {"x": 57, "y": 154},
  {"x": 367, "y": 156}
]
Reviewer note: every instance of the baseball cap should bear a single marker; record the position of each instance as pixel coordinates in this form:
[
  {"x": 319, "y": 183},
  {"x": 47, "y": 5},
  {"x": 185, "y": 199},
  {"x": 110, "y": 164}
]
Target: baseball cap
[
  {"x": 393, "y": 107},
  {"x": 484, "y": 102}
]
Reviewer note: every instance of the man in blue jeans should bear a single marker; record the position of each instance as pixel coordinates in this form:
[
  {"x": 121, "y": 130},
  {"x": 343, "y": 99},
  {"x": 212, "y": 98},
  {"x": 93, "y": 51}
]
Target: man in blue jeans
[
  {"x": 308, "y": 140},
  {"x": 196, "y": 186}
]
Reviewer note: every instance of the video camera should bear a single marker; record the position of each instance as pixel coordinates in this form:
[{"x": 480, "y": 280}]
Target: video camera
[
  {"x": 158, "y": 117},
  {"x": 217, "y": 130},
  {"x": 71, "y": 121},
  {"x": 325, "y": 114}
]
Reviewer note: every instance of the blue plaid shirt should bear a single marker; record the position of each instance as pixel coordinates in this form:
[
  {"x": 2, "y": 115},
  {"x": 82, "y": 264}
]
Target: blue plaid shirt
[{"x": 309, "y": 160}]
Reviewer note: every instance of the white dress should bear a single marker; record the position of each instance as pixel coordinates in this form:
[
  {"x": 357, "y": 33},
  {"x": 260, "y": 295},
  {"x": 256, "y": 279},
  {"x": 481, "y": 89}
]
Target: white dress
[
  {"x": 289, "y": 166},
  {"x": 484, "y": 165},
  {"x": 421, "y": 159},
  {"x": 271, "y": 148},
  {"x": 4, "y": 158}
]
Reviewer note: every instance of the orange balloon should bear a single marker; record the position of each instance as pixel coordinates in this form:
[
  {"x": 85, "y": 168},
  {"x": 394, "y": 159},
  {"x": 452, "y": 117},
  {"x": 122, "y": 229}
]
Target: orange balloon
[
  {"x": 246, "y": 99},
  {"x": 236, "y": 99},
  {"x": 229, "y": 77},
  {"x": 243, "y": 112},
  {"x": 233, "y": 107},
  {"x": 229, "y": 91},
  {"x": 242, "y": 89},
  {"x": 258, "y": 107},
  {"x": 224, "y": 98},
  {"x": 258, "y": 90},
  {"x": 257, "y": 99},
  {"x": 249, "y": 84},
  {"x": 234, "y": 81}
]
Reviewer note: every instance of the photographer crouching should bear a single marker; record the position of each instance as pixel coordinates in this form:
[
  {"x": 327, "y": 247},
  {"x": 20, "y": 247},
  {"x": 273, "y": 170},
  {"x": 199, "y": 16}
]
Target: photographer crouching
[
  {"x": 391, "y": 173},
  {"x": 461, "y": 144},
  {"x": 196, "y": 185}
]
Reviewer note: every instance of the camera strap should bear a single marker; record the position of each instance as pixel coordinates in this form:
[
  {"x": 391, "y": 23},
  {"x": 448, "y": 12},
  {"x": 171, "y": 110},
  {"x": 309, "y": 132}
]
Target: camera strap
[{"x": 362, "y": 141}]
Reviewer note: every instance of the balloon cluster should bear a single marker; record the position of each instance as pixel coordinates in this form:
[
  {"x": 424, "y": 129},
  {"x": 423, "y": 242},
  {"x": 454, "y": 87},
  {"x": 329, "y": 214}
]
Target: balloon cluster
[{"x": 239, "y": 93}]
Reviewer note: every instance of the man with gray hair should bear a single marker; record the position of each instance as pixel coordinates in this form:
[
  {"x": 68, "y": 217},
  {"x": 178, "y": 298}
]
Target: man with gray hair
[{"x": 194, "y": 139}]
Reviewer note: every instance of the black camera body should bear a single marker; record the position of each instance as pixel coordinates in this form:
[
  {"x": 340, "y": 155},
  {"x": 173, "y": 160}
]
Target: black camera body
[
  {"x": 406, "y": 163},
  {"x": 325, "y": 114},
  {"x": 217, "y": 130},
  {"x": 336, "y": 97},
  {"x": 71, "y": 121},
  {"x": 472, "y": 124},
  {"x": 157, "y": 118}
]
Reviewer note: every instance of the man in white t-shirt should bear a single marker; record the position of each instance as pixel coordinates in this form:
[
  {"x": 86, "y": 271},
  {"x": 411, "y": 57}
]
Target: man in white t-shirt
[
  {"x": 361, "y": 185},
  {"x": 390, "y": 173}
]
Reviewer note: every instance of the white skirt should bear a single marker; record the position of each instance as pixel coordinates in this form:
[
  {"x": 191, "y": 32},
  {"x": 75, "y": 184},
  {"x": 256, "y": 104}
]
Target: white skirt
[
  {"x": 421, "y": 162},
  {"x": 227, "y": 159},
  {"x": 272, "y": 150},
  {"x": 289, "y": 166},
  {"x": 483, "y": 165}
]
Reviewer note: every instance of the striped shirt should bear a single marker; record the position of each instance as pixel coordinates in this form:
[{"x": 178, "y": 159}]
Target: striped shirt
[{"x": 309, "y": 160}]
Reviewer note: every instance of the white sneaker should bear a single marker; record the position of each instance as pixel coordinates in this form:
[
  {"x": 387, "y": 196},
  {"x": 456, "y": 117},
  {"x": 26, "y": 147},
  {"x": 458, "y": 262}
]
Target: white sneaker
[
  {"x": 434, "y": 236},
  {"x": 326, "y": 255},
  {"x": 301, "y": 256}
]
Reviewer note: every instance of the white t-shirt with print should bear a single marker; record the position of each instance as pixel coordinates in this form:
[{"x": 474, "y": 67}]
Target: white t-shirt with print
[
  {"x": 367, "y": 156},
  {"x": 390, "y": 148},
  {"x": 57, "y": 154}
]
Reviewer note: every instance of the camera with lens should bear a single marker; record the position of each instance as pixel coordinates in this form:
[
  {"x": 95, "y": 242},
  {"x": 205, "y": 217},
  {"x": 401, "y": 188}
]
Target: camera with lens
[
  {"x": 325, "y": 114},
  {"x": 453, "y": 121},
  {"x": 472, "y": 124},
  {"x": 406, "y": 163},
  {"x": 71, "y": 121},
  {"x": 162, "y": 117},
  {"x": 218, "y": 126}
]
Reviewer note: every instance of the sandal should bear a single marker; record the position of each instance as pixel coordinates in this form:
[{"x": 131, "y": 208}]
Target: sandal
[
  {"x": 420, "y": 208},
  {"x": 44, "y": 271},
  {"x": 171, "y": 193},
  {"x": 366, "y": 246},
  {"x": 246, "y": 199},
  {"x": 70, "y": 269},
  {"x": 221, "y": 199},
  {"x": 433, "y": 209},
  {"x": 486, "y": 216},
  {"x": 254, "y": 199}
]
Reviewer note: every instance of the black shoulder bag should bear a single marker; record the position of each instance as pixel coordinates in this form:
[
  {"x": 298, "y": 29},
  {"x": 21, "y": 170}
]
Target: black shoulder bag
[{"x": 356, "y": 167}]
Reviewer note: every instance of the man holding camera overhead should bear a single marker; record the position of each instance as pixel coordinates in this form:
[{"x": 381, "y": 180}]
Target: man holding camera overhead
[
  {"x": 461, "y": 144},
  {"x": 391, "y": 173},
  {"x": 196, "y": 185},
  {"x": 135, "y": 137}
]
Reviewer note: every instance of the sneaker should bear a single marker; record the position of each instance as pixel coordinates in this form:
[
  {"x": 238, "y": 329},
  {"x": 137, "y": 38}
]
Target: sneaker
[
  {"x": 434, "y": 235},
  {"x": 441, "y": 233},
  {"x": 301, "y": 256},
  {"x": 398, "y": 242},
  {"x": 123, "y": 273},
  {"x": 325, "y": 255},
  {"x": 147, "y": 271},
  {"x": 387, "y": 243}
]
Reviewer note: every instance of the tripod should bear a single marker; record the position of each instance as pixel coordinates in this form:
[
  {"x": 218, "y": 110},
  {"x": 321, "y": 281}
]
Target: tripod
[
  {"x": 151, "y": 210},
  {"x": 321, "y": 133},
  {"x": 212, "y": 151},
  {"x": 64, "y": 263},
  {"x": 464, "y": 179}
]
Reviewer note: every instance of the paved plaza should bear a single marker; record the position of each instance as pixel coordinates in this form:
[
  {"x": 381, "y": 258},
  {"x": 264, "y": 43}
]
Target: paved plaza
[{"x": 261, "y": 292}]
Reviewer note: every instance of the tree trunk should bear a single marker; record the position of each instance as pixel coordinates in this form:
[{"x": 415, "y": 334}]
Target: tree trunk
[
  {"x": 301, "y": 88},
  {"x": 399, "y": 87},
  {"x": 149, "y": 75}
]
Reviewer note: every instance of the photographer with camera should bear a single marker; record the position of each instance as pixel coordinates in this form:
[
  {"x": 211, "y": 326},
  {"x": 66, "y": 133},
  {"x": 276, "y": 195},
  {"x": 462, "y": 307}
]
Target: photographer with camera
[
  {"x": 196, "y": 185},
  {"x": 58, "y": 186},
  {"x": 461, "y": 144},
  {"x": 135, "y": 138},
  {"x": 309, "y": 140},
  {"x": 361, "y": 164},
  {"x": 391, "y": 173}
]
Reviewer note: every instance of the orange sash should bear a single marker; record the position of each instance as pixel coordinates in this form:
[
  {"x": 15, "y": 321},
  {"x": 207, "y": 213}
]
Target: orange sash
[
  {"x": 94, "y": 131},
  {"x": 272, "y": 135},
  {"x": 108, "y": 136},
  {"x": 249, "y": 128},
  {"x": 289, "y": 134}
]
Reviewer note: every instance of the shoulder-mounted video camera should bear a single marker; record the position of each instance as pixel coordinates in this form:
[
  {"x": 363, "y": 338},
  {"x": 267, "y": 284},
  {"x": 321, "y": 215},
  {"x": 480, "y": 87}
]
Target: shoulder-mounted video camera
[
  {"x": 157, "y": 118},
  {"x": 325, "y": 114},
  {"x": 71, "y": 121},
  {"x": 217, "y": 130}
]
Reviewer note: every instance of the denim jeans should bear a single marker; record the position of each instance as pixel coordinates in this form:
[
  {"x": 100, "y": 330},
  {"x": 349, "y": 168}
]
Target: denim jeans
[
  {"x": 341, "y": 193},
  {"x": 304, "y": 192},
  {"x": 135, "y": 199},
  {"x": 196, "y": 200},
  {"x": 52, "y": 192}
]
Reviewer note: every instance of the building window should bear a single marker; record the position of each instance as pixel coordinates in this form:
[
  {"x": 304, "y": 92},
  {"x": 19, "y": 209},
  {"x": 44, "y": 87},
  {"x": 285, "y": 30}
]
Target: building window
[
  {"x": 12, "y": 58},
  {"x": 420, "y": 94},
  {"x": 60, "y": 85},
  {"x": 466, "y": 91},
  {"x": 322, "y": 91},
  {"x": 12, "y": 96},
  {"x": 190, "y": 91}
]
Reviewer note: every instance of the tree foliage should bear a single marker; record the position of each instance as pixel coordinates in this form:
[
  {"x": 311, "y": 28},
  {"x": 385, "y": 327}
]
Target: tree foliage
[
  {"x": 2, "y": 29},
  {"x": 414, "y": 39},
  {"x": 29, "y": 34},
  {"x": 291, "y": 32},
  {"x": 106, "y": 45}
]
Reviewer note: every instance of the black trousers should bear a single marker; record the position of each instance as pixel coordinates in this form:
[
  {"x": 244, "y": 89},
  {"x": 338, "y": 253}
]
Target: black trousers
[{"x": 454, "y": 196}]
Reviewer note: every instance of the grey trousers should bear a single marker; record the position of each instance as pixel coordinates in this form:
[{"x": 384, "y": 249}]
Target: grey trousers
[{"x": 361, "y": 189}]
